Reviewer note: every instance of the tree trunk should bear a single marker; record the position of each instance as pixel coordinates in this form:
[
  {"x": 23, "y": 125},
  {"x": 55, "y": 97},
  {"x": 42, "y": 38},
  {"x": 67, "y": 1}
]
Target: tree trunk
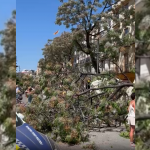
[
  {"x": 94, "y": 62},
  {"x": 93, "y": 59}
]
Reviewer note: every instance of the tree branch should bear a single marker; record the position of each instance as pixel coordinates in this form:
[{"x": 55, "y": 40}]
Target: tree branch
[
  {"x": 148, "y": 57},
  {"x": 99, "y": 18},
  {"x": 86, "y": 15},
  {"x": 94, "y": 74},
  {"x": 105, "y": 87},
  {"x": 91, "y": 15},
  {"x": 10, "y": 142},
  {"x": 122, "y": 72},
  {"x": 96, "y": 95},
  {"x": 81, "y": 47},
  {"x": 142, "y": 117},
  {"x": 117, "y": 90}
]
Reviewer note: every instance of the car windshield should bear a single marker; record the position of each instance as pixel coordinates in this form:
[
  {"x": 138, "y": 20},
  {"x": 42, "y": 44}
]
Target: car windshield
[{"x": 19, "y": 122}]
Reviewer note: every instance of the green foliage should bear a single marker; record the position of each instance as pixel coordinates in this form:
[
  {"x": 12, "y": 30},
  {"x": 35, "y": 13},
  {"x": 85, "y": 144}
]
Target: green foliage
[
  {"x": 90, "y": 146},
  {"x": 8, "y": 79},
  {"x": 60, "y": 50},
  {"x": 63, "y": 112},
  {"x": 59, "y": 113},
  {"x": 143, "y": 108},
  {"x": 125, "y": 134},
  {"x": 86, "y": 17},
  {"x": 142, "y": 32},
  {"x": 142, "y": 35}
]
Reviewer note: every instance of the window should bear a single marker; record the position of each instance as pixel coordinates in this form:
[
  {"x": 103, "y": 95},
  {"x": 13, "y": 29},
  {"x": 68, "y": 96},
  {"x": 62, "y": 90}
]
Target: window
[
  {"x": 126, "y": 6},
  {"x": 103, "y": 33},
  {"x": 126, "y": 62},
  {"x": 82, "y": 61},
  {"x": 126, "y": 31},
  {"x": 117, "y": 16},
  {"x": 88, "y": 59},
  {"x": 109, "y": 22},
  {"x": 102, "y": 64},
  {"x": 89, "y": 69},
  {"x": 74, "y": 59}
]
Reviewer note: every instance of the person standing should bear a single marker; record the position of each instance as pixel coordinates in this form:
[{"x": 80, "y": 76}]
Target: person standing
[
  {"x": 131, "y": 118},
  {"x": 30, "y": 95},
  {"x": 17, "y": 88},
  {"x": 88, "y": 83},
  {"x": 27, "y": 91}
]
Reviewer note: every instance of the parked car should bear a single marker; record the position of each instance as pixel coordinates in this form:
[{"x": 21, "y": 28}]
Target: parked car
[{"x": 27, "y": 138}]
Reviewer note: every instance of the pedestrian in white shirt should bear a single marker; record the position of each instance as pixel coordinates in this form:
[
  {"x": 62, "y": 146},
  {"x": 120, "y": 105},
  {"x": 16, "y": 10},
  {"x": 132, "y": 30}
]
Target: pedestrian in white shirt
[
  {"x": 131, "y": 118},
  {"x": 17, "y": 88}
]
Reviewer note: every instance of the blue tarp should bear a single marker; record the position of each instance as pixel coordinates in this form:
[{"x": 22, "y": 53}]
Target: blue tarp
[{"x": 28, "y": 138}]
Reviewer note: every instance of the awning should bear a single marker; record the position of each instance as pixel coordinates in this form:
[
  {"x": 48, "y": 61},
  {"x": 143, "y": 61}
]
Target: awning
[{"x": 130, "y": 75}]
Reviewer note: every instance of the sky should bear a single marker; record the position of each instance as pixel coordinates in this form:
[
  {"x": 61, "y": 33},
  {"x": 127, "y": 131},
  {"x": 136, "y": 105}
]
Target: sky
[
  {"x": 6, "y": 8},
  {"x": 35, "y": 25}
]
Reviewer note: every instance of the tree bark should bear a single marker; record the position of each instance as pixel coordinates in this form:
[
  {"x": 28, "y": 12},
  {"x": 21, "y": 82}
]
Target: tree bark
[
  {"x": 105, "y": 87},
  {"x": 142, "y": 117},
  {"x": 94, "y": 62}
]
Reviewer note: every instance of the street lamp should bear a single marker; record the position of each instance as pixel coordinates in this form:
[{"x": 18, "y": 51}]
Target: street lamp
[{"x": 97, "y": 53}]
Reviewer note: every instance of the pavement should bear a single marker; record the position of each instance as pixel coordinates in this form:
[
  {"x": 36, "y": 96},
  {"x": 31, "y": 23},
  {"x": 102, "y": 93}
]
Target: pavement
[{"x": 103, "y": 141}]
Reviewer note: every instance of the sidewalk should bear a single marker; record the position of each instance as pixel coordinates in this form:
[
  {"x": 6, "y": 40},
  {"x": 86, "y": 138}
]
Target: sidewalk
[{"x": 103, "y": 141}]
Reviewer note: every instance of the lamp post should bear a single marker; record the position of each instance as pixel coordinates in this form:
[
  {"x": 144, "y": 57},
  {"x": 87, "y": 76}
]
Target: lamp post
[{"x": 97, "y": 53}]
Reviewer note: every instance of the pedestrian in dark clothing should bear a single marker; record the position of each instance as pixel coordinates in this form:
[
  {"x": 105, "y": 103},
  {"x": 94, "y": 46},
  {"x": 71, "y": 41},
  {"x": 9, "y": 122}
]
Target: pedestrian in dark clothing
[{"x": 30, "y": 95}]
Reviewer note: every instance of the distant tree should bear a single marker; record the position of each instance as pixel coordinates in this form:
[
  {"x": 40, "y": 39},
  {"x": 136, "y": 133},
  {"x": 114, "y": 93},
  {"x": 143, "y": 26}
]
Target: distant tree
[
  {"x": 8, "y": 79},
  {"x": 41, "y": 65},
  {"x": 60, "y": 49}
]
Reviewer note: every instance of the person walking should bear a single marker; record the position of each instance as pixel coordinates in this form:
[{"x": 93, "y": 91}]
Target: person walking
[{"x": 131, "y": 118}]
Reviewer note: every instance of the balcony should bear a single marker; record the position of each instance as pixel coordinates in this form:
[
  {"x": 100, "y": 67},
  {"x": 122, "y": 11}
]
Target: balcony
[
  {"x": 85, "y": 60},
  {"x": 129, "y": 75}
]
